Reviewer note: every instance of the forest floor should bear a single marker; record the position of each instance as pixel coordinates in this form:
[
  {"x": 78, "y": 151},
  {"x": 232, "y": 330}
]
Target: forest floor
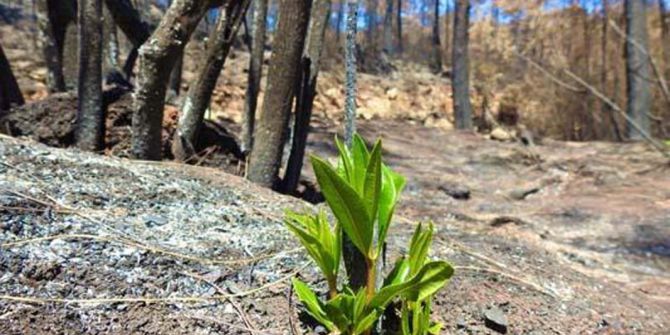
[{"x": 560, "y": 237}]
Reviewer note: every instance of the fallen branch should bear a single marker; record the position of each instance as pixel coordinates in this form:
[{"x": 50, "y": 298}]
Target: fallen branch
[
  {"x": 547, "y": 73},
  {"x": 654, "y": 65},
  {"x": 658, "y": 146}
]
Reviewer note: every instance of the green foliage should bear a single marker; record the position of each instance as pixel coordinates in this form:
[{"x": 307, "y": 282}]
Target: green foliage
[{"x": 362, "y": 193}]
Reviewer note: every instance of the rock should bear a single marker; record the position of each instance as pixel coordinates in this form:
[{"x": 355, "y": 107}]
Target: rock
[
  {"x": 228, "y": 309},
  {"x": 460, "y": 323},
  {"x": 503, "y": 220},
  {"x": 496, "y": 320},
  {"x": 523, "y": 193},
  {"x": 154, "y": 221},
  {"x": 392, "y": 94},
  {"x": 458, "y": 192},
  {"x": 438, "y": 122},
  {"x": 500, "y": 134}
]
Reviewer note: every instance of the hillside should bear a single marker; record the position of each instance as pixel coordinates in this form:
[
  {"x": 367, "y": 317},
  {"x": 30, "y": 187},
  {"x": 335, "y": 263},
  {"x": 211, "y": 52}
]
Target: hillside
[{"x": 155, "y": 248}]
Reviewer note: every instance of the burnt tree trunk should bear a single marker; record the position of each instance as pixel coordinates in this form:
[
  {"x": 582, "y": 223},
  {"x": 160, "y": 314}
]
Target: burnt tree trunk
[
  {"x": 460, "y": 71},
  {"x": 283, "y": 75},
  {"x": 437, "y": 52},
  {"x": 340, "y": 20},
  {"x": 199, "y": 93},
  {"x": 388, "y": 27},
  {"x": 156, "y": 60},
  {"x": 174, "y": 83},
  {"x": 51, "y": 38},
  {"x": 371, "y": 31},
  {"x": 307, "y": 92},
  {"x": 665, "y": 34},
  {"x": 605, "y": 108},
  {"x": 399, "y": 26},
  {"x": 90, "y": 133},
  {"x": 128, "y": 19},
  {"x": 354, "y": 260},
  {"x": 10, "y": 94},
  {"x": 255, "y": 73},
  {"x": 637, "y": 69}
]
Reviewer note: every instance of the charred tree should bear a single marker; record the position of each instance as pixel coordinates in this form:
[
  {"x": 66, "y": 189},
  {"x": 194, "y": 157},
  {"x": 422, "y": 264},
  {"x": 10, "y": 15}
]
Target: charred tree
[
  {"x": 637, "y": 69},
  {"x": 90, "y": 131},
  {"x": 605, "y": 108},
  {"x": 10, "y": 94},
  {"x": 371, "y": 31},
  {"x": 157, "y": 57},
  {"x": 460, "y": 71},
  {"x": 437, "y": 52},
  {"x": 307, "y": 92},
  {"x": 283, "y": 75},
  {"x": 128, "y": 19},
  {"x": 340, "y": 20},
  {"x": 255, "y": 73},
  {"x": 53, "y": 18},
  {"x": 388, "y": 27},
  {"x": 665, "y": 33},
  {"x": 354, "y": 261},
  {"x": 199, "y": 94},
  {"x": 399, "y": 26},
  {"x": 174, "y": 83}
]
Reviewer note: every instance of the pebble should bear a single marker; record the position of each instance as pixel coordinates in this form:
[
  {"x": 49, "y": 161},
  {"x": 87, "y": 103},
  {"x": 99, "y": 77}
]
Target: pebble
[{"x": 496, "y": 320}]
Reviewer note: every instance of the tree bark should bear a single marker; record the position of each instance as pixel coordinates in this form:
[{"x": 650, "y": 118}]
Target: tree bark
[
  {"x": 605, "y": 108},
  {"x": 371, "y": 32},
  {"x": 156, "y": 59},
  {"x": 437, "y": 52},
  {"x": 388, "y": 27},
  {"x": 174, "y": 83},
  {"x": 637, "y": 69},
  {"x": 51, "y": 37},
  {"x": 90, "y": 133},
  {"x": 255, "y": 73},
  {"x": 128, "y": 19},
  {"x": 305, "y": 97},
  {"x": 460, "y": 71},
  {"x": 350, "y": 75},
  {"x": 283, "y": 75},
  {"x": 199, "y": 94},
  {"x": 10, "y": 94},
  {"x": 340, "y": 20},
  {"x": 399, "y": 26},
  {"x": 665, "y": 34},
  {"x": 354, "y": 261}
]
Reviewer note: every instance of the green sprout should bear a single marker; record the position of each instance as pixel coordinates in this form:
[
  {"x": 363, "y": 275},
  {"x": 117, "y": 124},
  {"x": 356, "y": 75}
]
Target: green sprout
[{"x": 362, "y": 194}]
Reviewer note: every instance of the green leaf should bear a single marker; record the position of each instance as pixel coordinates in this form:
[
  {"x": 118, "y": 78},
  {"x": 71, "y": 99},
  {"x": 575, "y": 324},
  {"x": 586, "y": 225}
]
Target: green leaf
[
  {"x": 419, "y": 247},
  {"x": 346, "y": 204},
  {"x": 312, "y": 303},
  {"x": 392, "y": 185},
  {"x": 399, "y": 272},
  {"x": 430, "y": 279},
  {"x": 373, "y": 180},
  {"x": 345, "y": 160},
  {"x": 315, "y": 235},
  {"x": 338, "y": 311},
  {"x": 361, "y": 157},
  {"x": 366, "y": 322},
  {"x": 435, "y": 328}
]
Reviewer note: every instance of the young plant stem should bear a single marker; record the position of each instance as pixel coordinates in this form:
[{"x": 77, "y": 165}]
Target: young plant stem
[
  {"x": 371, "y": 285},
  {"x": 332, "y": 287}
]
